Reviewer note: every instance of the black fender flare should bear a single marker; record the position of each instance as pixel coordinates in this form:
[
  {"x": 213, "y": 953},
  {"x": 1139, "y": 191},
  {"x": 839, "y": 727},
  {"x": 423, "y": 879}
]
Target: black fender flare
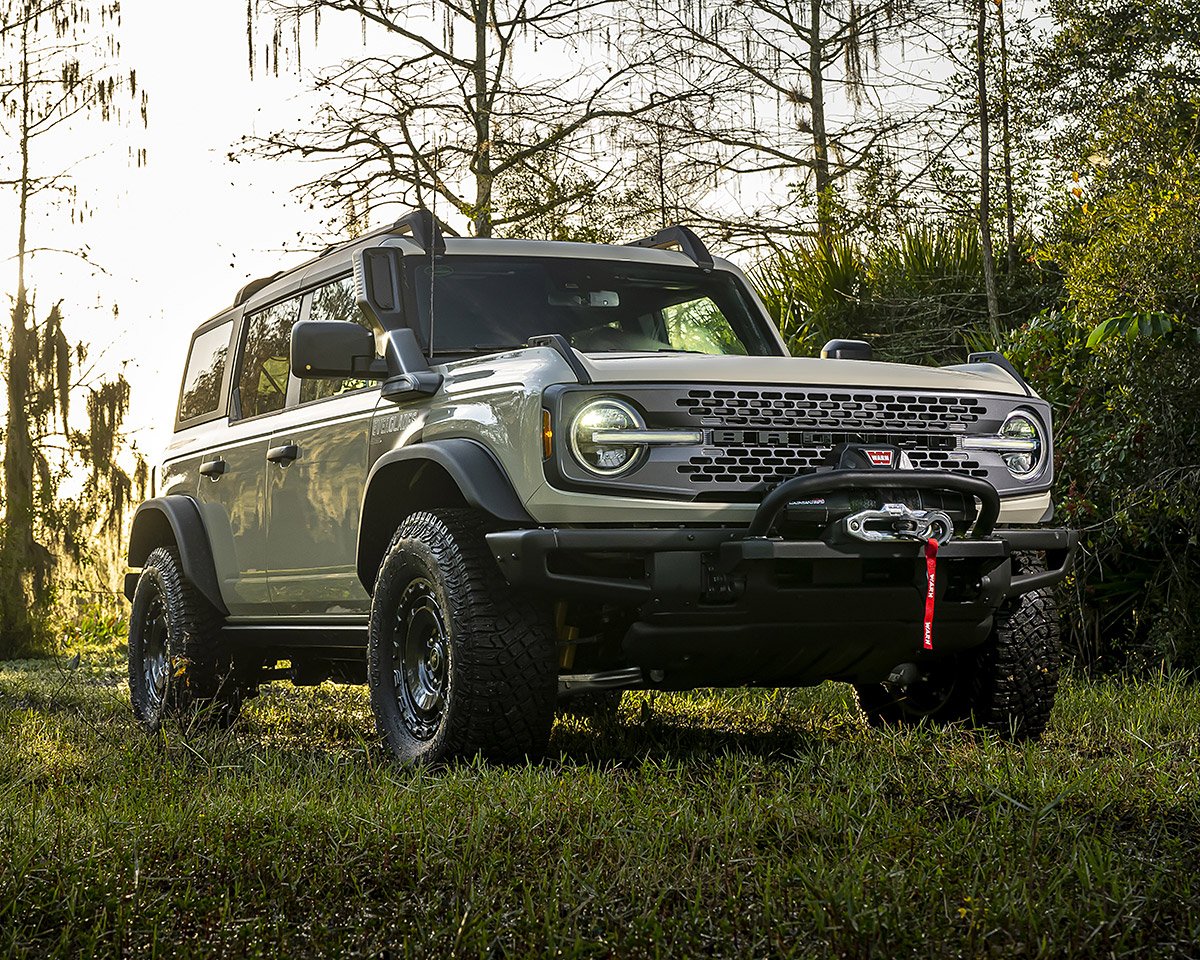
[
  {"x": 176, "y": 517},
  {"x": 472, "y": 467}
]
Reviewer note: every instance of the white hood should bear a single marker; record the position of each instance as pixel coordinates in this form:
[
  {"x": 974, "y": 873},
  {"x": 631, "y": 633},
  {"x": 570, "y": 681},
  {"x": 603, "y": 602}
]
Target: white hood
[{"x": 796, "y": 371}]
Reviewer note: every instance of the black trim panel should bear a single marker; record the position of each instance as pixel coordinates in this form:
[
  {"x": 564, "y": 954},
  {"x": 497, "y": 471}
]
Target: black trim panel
[
  {"x": 155, "y": 523},
  {"x": 473, "y": 468},
  {"x": 526, "y": 558}
]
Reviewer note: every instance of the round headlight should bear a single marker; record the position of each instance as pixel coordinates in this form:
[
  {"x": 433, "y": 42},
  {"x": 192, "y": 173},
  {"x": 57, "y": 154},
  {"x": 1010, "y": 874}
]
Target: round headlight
[
  {"x": 1023, "y": 463},
  {"x": 606, "y": 457}
]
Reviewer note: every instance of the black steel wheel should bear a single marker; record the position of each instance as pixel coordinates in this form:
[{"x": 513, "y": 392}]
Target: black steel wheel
[
  {"x": 458, "y": 663},
  {"x": 155, "y": 661},
  {"x": 421, "y": 659},
  {"x": 177, "y": 667}
]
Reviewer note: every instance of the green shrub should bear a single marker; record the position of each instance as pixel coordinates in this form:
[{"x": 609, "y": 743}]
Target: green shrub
[
  {"x": 917, "y": 295},
  {"x": 96, "y": 625},
  {"x": 1127, "y": 457},
  {"x": 1132, "y": 259}
]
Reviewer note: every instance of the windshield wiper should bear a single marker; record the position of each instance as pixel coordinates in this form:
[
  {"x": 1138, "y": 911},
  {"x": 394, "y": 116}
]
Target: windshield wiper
[{"x": 477, "y": 351}]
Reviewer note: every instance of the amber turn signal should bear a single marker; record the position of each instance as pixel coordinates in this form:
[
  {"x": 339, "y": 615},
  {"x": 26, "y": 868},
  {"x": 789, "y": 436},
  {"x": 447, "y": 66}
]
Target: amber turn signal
[{"x": 547, "y": 435}]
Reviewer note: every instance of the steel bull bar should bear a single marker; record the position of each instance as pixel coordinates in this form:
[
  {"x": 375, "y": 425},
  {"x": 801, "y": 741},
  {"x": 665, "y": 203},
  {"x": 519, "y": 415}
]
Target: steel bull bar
[{"x": 674, "y": 556}]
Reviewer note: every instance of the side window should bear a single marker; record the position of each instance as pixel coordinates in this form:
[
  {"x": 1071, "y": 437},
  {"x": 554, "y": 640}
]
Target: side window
[
  {"x": 334, "y": 301},
  {"x": 263, "y": 371},
  {"x": 205, "y": 372}
]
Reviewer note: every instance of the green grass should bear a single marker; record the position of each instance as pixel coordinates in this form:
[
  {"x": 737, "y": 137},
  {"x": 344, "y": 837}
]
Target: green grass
[{"x": 743, "y": 824}]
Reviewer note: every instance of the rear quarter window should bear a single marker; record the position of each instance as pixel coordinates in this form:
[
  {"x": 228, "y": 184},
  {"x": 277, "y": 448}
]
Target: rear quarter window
[{"x": 205, "y": 373}]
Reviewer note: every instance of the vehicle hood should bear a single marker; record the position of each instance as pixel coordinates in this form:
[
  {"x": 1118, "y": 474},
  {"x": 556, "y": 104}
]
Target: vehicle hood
[{"x": 798, "y": 371}]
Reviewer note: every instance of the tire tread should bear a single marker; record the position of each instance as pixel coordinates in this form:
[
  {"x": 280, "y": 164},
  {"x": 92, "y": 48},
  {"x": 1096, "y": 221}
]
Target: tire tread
[{"x": 507, "y": 676}]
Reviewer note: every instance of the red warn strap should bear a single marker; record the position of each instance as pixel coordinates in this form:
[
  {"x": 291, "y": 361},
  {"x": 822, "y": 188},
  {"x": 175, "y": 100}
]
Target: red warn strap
[{"x": 931, "y": 550}]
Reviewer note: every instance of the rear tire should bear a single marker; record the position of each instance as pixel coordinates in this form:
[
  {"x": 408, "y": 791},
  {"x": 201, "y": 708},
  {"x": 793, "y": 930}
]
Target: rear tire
[
  {"x": 177, "y": 668},
  {"x": 458, "y": 664}
]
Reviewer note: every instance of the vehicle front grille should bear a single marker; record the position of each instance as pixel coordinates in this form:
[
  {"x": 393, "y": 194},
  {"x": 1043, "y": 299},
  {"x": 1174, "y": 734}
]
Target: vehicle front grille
[
  {"x": 797, "y": 429},
  {"x": 771, "y": 465},
  {"x": 755, "y": 437},
  {"x": 830, "y": 409}
]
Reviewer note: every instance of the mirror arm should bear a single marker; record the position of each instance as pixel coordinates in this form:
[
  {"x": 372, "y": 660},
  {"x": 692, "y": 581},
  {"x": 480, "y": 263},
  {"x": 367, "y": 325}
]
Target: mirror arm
[
  {"x": 409, "y": 385},
  {"x": 407, "y": 371},
  {"x": 402, "y": 353}
]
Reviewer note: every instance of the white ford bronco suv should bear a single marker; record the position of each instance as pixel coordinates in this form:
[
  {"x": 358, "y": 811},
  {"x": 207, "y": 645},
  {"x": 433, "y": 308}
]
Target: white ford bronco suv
[{"x": 490, "y": 478}]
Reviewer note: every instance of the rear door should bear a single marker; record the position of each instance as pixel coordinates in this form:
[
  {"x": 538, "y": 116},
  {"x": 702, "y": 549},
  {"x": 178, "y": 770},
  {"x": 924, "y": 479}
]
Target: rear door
[{"x": 315, "y": 487}]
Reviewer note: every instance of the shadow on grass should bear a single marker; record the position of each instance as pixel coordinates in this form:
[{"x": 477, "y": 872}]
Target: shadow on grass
[{"x": 328, "y": 723}]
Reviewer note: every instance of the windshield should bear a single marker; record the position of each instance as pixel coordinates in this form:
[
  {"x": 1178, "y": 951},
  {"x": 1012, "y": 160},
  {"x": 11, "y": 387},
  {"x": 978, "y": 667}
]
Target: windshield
[{"x": 486, "y": 304}]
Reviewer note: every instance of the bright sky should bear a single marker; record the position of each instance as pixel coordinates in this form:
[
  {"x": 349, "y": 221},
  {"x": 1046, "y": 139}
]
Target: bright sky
[{"x": 175, "y": 239}]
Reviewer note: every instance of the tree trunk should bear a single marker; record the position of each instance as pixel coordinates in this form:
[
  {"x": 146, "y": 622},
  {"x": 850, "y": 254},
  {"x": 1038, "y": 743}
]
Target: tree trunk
[
  {"x": 18, "y": 543},
  {"x": 1009, "y": 213},
  {"x": 985, "y": 185},
  {"x": 816, "y": 79},
  {"x": 483, "y": 125}
]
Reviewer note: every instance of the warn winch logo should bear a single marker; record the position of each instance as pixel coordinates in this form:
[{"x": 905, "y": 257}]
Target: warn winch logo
[{"x": 880, "y": 458}]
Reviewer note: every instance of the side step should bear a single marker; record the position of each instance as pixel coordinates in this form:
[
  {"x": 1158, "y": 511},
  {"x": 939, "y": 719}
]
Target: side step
[{"x": 570, "y": 684}]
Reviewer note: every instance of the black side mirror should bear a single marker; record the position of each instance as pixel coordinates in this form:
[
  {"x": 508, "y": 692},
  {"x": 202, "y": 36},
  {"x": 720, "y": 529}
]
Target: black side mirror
[
  {"x": 846, "y": 350},
  {"x": 334, "y": 348}
]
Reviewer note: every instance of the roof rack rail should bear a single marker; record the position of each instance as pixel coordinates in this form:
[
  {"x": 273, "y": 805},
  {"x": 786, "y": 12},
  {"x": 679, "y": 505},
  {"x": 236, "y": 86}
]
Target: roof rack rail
[
  {"x": 681, "y": 237},
  {"x": 253, "y": 287},
  {"x": 420, "y": 224}
]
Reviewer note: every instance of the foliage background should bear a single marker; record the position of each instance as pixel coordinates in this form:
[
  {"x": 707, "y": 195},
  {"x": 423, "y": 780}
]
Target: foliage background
[{"x": 1098, "y": 301}]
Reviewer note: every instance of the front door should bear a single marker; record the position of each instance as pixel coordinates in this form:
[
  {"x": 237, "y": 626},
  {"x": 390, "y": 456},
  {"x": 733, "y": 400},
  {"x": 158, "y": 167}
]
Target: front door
[
  {"x": 315, "y": 497},
  {"x": 316, "y": 480},
  {"x": 232, "y": 486}
]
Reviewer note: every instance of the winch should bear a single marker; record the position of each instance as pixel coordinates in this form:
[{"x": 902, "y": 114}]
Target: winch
[
  {"x": 896, "y": 521},
  {"x": 892, "y": 512}
]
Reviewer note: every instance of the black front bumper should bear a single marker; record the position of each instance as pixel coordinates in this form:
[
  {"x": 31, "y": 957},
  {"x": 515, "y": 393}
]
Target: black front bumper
[
  {"x": 677, "y": 559},
  {"x": 737, "y": 606}
]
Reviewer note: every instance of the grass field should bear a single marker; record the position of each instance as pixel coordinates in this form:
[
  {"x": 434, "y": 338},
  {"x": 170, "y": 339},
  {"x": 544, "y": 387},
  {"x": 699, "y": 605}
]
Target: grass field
[{"x": 743, "y": 824}]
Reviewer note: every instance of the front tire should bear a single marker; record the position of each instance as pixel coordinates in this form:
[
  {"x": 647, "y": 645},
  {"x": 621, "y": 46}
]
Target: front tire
[
  {"x": 1015, "y": 676},
  {"x": 458, "y": 664},
  {"x": 177, "y": 668}
]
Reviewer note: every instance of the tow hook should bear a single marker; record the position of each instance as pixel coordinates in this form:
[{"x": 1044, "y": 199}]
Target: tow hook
[
  {"x": 897, "y": 521},
  {"x": 903, "y": 675}
]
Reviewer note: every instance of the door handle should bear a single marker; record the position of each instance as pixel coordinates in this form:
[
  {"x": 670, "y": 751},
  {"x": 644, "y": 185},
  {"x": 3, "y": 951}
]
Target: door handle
[
  {"x": 283, "y": 454},
  {"x": 213, "y": 468}
]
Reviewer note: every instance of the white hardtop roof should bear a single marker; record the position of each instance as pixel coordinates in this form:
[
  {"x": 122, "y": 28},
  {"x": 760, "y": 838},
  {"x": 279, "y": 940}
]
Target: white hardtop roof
[{"x": 568, "y": 250}]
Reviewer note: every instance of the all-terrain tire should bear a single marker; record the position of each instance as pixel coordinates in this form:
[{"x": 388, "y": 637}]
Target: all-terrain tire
[
  {"x": 1014, "y": 679},
  {"x": 177, "y": 667},
  {"x": 458, "y": 663}
]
